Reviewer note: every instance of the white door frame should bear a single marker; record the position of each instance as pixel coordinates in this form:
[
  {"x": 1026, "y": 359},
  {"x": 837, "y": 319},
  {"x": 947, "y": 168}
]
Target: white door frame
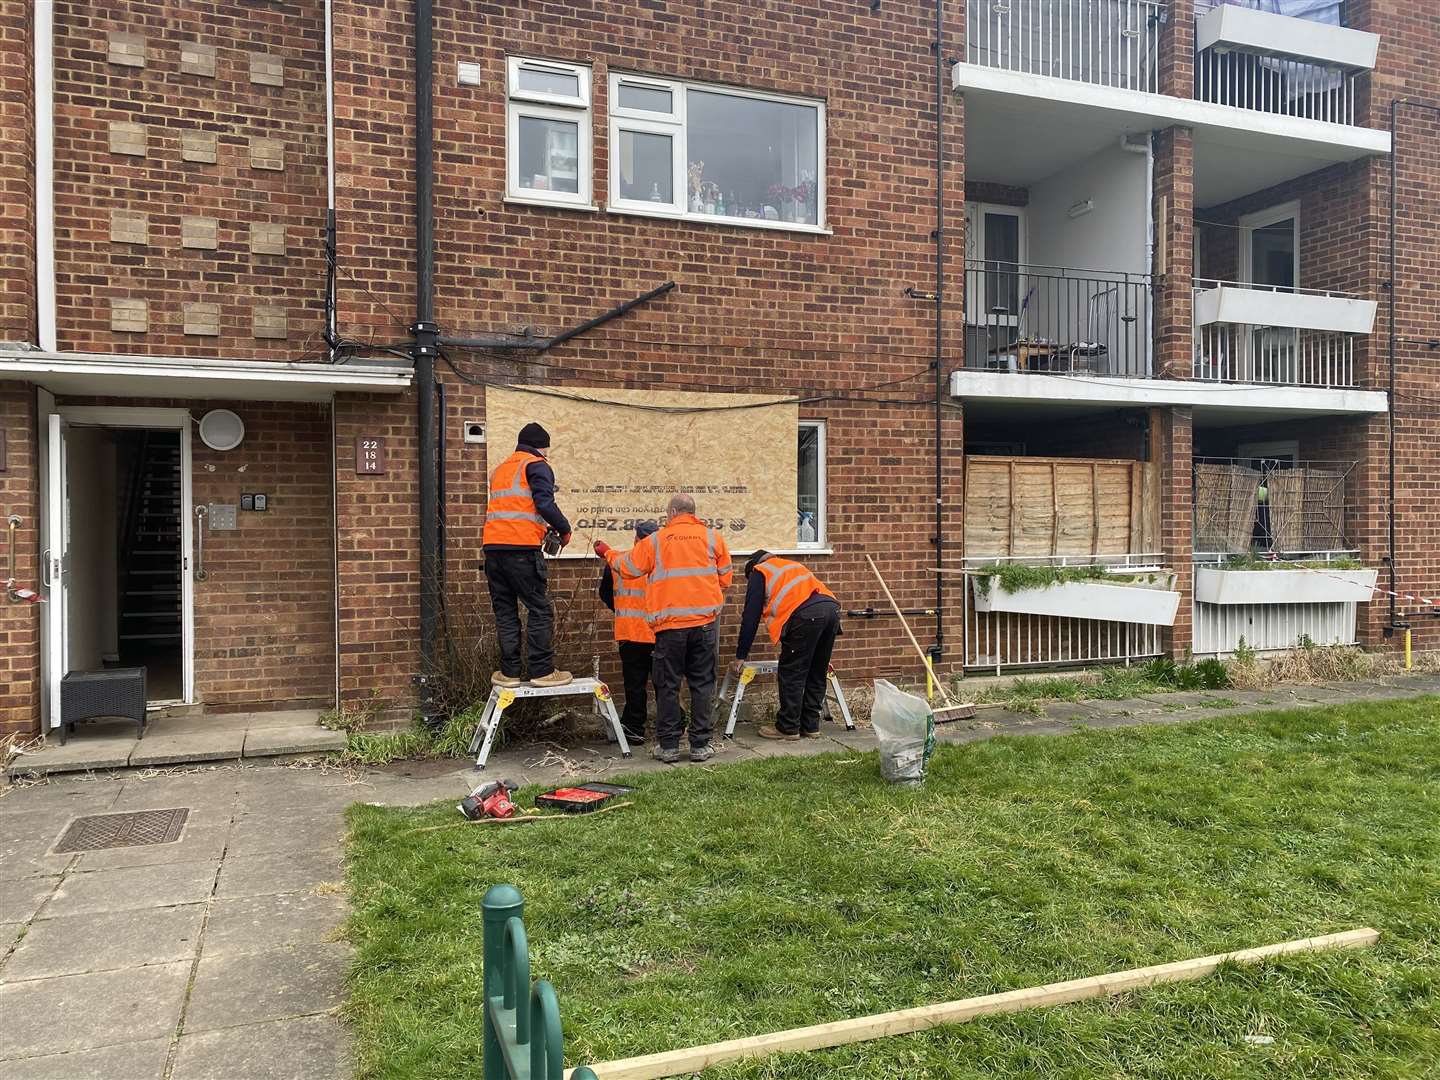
[
  {"x": 1260, "y": 219},
  {"x": 166, "y": 420}
]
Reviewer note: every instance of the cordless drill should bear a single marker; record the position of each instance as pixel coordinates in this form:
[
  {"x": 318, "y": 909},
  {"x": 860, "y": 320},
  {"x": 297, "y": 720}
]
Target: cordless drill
[{"x": 491, "y": 799}]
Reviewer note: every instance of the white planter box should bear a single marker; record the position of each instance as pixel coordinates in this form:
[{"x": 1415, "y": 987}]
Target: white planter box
[
  {"x": 1262, "y": 307},
  {"x": 1298, "y": 586},
  {"x": 1285, "y": 35},
  {"x": 1127, "y": 603}
]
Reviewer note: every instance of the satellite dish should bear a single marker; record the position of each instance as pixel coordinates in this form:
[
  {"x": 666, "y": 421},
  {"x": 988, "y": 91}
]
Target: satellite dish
[{"x": 221, "y": 429}]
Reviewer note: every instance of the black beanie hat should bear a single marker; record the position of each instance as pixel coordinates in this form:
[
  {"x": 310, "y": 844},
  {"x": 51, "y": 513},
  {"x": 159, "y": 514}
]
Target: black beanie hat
[
  {"x": 535, "y": 435},
  {"x": 755, "y": 560},
  {"x": 645, "y": 528}
]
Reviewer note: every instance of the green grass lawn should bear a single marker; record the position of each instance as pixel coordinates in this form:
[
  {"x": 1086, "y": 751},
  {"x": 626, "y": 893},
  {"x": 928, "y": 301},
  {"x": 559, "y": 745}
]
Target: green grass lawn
[{"x": 749, "y": 898}]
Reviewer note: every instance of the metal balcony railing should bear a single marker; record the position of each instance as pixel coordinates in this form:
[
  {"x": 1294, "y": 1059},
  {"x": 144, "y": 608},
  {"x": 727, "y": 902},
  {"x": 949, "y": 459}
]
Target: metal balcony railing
[
  {"x": 1274, "y": 355},
  {"x": 1056, "y": 320},
  {"x": 1107, "y": 42}
]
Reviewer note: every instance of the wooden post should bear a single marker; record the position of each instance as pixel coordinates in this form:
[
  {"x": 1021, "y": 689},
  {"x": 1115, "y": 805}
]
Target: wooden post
[
  {"x": 1054, "y": 512},
  {"x": 1095, "y": 508}
]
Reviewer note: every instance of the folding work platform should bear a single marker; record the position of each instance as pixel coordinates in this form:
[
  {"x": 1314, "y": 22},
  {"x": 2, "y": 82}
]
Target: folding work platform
[
  {"x": 769, "y": 667},
  {"x": 502, "y": 697}
]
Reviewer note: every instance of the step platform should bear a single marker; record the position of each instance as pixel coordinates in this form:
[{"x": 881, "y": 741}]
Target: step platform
[
  {"x": 754, "y": 668},
  {"x": 502, "y": 697}
]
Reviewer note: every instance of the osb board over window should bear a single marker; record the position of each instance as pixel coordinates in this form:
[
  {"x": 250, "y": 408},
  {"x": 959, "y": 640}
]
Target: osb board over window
[
  {"x": 616, "y": 464},
  {"x": 1035, "y": 507}
]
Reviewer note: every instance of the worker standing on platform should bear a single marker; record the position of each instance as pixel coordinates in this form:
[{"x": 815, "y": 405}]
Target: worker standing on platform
[
  {"x": 636, "y": 641},
  {"x": 688, "y": 566},
  {"x": 803, "y": 618},
  {"x": 520, "y": 508}
]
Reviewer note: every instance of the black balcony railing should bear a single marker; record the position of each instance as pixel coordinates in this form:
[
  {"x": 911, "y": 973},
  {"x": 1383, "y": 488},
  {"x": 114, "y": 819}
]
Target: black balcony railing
[{"x": 1056, "y": 320}]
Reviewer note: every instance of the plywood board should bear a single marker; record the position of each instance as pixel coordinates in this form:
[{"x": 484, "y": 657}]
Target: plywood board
[{"x": 619, "y": 456}]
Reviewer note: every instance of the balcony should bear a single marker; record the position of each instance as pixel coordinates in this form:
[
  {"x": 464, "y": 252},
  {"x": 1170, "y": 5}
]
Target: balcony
[
  {"x": 1278, "y": 337},
  {"x": 1104, "y": 42},
  {"x": 1056, "y": 320},
  {"x": 1301, "y": 65}
]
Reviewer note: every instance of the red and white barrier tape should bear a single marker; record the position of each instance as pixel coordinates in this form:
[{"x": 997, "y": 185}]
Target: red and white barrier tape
[{"x": 1373, "y": 588}]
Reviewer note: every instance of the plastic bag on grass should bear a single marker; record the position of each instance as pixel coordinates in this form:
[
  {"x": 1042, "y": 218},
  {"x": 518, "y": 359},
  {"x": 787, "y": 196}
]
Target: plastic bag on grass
[{"x": 905, "y": 727}]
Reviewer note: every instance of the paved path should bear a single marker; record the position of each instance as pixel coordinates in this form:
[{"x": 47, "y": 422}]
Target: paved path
[{"x": 219, "y": 955}]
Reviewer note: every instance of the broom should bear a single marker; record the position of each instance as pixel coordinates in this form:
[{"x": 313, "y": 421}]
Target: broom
[{"x": 950, "y": 709}]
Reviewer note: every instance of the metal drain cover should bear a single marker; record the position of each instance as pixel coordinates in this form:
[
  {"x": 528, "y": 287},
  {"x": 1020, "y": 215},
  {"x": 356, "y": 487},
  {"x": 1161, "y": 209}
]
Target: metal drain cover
[{"x": 123, "y": 830}]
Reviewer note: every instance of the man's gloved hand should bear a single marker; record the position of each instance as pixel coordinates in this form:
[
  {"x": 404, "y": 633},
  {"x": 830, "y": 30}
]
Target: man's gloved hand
[
  {"x": 565, "y": 540},
  {"x": 602, "y": 548}
]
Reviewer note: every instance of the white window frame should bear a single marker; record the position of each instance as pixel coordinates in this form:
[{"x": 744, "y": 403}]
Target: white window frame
[
  {"x": 566, "y": 108},
  {"x": 1263, "y": 219},
  {"x": 674, "y": 124},
  {"x": 822, "y": 535}
]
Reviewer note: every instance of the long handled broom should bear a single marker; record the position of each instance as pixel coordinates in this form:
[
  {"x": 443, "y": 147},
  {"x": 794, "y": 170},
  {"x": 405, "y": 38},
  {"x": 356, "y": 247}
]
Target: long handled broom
[{"x": 951, "y": 709}]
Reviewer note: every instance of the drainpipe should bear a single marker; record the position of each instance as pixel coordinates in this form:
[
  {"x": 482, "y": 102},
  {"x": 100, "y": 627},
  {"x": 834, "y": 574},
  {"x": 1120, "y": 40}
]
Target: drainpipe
[
  {"x": 44, "y": 64},
  {"x": 938, "y": 649},
  {"x": 426, "y": 344},
  {"x": 331, "y": 335}
]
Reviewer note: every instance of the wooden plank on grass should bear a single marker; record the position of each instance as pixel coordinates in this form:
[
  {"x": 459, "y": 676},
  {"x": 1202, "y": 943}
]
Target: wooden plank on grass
[{"x": 905, "y": 1021}]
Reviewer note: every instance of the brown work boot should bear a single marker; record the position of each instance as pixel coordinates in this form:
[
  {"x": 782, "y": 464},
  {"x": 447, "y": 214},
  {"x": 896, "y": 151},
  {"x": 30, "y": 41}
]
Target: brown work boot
[
  {"x": 499, "y": 678},
  {"x": 769, "y": 731},
  {"x": 810, "y": 734},
  {"x": 555, "y": 678}
]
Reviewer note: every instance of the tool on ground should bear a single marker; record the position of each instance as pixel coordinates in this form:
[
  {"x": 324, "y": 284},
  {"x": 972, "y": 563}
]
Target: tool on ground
[
  {"x": 769, "y": 667},
  {"x": 580, "y": 798},
  {"x": 950, "y": 709},
  {"x": 519, "y": 819},
  {"x": 502, "y": 697},
  {"x": 490, "y": 800}
]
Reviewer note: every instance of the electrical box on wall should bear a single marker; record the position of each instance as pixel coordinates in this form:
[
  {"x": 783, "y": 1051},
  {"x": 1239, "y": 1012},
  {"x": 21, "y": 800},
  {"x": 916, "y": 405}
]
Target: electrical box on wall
[
  {"x": 255, "y": 502},
  {"x": 474, "y": 431}
]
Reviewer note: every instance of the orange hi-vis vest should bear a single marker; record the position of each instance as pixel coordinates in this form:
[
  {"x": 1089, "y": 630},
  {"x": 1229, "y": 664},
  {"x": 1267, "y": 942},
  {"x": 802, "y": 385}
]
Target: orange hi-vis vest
[
  {"x": 632, "y": 622},
  {"x": 510, "y": 515},
  {"x": 688, "y": 566},
  {"x": 787, "y": 586}
]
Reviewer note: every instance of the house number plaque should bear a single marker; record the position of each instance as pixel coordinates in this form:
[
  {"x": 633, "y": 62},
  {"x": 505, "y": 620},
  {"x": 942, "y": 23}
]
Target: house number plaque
[{"x": 369, "y": 455}]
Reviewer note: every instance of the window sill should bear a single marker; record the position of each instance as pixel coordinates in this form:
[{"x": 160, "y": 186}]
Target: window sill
[
  {"x": 715, "y": 219},
  {"x": 552, "y": 204}
]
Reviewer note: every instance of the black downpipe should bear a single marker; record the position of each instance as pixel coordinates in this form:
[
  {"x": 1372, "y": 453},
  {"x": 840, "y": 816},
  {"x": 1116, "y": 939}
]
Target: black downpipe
[
  {"x": 441, "y": 542},
  {"x": 938, "y": 649},
  {"x": 331, "y": 335},
  {"x": 425, "y": 348}
]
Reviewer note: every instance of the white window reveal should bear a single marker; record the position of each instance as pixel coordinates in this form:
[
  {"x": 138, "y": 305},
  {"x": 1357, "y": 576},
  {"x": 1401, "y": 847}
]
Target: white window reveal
[
  {"x": 548, "y": 132},
  {"x": 810, "y": 486},
  {"x": 708, "y": 153}
]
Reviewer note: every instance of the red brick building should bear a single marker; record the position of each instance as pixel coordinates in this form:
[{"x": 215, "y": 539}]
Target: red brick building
[{"x": 1163, "y": 324}]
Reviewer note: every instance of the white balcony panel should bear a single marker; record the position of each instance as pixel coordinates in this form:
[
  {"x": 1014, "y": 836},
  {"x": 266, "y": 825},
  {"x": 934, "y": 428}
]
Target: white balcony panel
[
  {"x": 1298, "y": 586},
  {"x": 1270, "y": 628},
  {"x": 1283, "y": 35},
  {"x": 1266, "y": 307},
  {"x": 1155, "y": 606}
]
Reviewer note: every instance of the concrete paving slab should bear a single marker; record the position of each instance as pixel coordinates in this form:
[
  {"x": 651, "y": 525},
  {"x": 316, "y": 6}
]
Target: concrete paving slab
[
  {"x": 131, "y": 887},
  {"x": 198, "y": 843},
  {"x": 255, "y": 834},
  {"x": 26, "y": 858},
  {"x": 124, "y": 1061},
  {"x": 60, "y": 796},
  {"x": 278, "y": 872},
  {"x": 27, "y": 825},
  {"x": 21, "y": 898},
  {"x": 247, "y": 988},
  {"x": 118, "y": 1006},
  {"x": 257, "y": 923},
  {"x": 81, "y": 754},
  {"x": 307, "y": 1048},
  {"x": 9, "y": 934},
  {"x": 215, "y": 745},
  {"x": 280, "y": 718},
  {"x": 106, "y": 941},
  {"x": 265, "y": 741}
]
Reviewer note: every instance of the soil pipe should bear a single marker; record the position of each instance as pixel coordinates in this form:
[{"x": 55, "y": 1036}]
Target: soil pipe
[{"x": 938, "y": 649}]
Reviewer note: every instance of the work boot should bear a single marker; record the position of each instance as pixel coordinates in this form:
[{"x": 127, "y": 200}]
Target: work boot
[
  {"x": 770, "y": 731},
  {"x": 499, "y": 678},
  {"x": 810, "y": 734},
  {"x": 668, "y": 755},
  {"x": 702, "y": 753},
  {"x": 555, "y": 678}
]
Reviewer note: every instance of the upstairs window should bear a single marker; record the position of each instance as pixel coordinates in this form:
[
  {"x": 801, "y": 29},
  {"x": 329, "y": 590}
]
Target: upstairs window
[
  {"x": 548, "y": 132},
  {"x": 709, "y": 153}
]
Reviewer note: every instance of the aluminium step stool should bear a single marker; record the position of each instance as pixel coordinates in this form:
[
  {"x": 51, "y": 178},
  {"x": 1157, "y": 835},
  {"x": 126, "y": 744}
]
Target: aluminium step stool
[
  {"x": 502, "y": 697},
  {"x": 769, "y": 667}
]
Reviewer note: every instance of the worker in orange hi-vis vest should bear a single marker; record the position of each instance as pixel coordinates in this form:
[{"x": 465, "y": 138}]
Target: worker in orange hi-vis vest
[
  {"x": 688, "y": 566},
  {"x": 636, "y": 641},
  {"x": 803, "y": 618},
  {"x": 520, "y": 508}
]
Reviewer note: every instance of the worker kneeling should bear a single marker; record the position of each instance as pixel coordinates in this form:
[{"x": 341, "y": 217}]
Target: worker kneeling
[
  {"x": 688, "y": 566},
  {"x": 803, "y": 617},
  {"x": 636, "y": 641}
]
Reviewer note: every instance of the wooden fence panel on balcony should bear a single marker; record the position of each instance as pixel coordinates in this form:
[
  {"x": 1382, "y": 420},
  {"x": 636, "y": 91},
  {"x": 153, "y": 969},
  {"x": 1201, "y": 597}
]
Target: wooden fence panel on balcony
[{"x": 1041, "y": 507}]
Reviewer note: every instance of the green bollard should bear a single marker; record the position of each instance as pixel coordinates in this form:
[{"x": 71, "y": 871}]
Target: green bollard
[{"x": 501, "y": 904}]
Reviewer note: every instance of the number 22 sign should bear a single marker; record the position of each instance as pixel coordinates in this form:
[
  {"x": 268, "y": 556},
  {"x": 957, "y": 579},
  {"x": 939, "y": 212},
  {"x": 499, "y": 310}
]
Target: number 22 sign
[{"x": 369, "y": 455}]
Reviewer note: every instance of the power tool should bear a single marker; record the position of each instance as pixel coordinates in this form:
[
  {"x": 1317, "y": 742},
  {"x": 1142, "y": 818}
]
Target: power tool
[{"x": 491, "y": 799}]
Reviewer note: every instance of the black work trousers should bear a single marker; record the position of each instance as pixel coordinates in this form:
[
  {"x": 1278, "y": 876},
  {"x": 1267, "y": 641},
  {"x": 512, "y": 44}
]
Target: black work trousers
[
  {"x": 636, "y": 659},
  {"x": 687, "y": 654},
  {"x": 518, "y": 576},
  {"x": 806, "y": 642}
]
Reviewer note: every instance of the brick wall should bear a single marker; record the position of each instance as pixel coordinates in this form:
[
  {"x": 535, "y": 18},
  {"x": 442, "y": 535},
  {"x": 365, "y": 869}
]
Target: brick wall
[
  {"x": 170, "y": 122},
  {"x": 19, "y": 623},
  {"x": 17, "y": 171}
]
